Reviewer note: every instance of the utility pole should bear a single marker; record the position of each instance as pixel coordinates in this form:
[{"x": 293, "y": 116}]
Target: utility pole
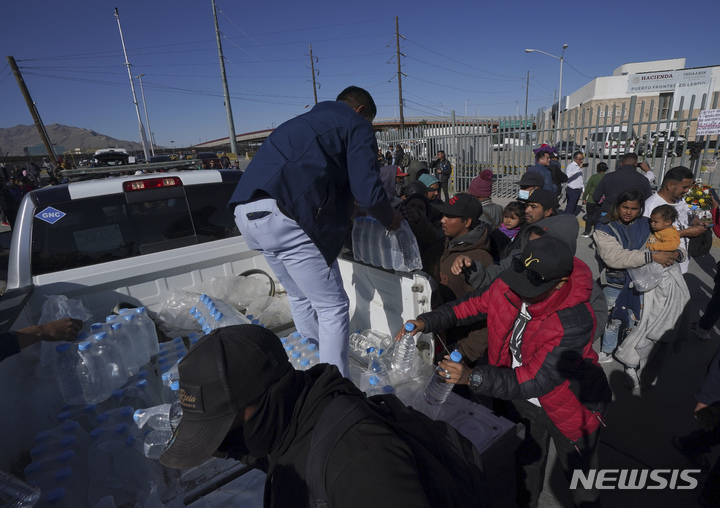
[
  {"x": 132, "y": 87},
  {"x": 147, "y": 118},
  {"x": 31, "y": 106},
  {"x": 527, "y": 90},
  {"x": 397, "y": 44},
  {"x": 312, "y": 69},
  {"x": 226, "y": 91}
]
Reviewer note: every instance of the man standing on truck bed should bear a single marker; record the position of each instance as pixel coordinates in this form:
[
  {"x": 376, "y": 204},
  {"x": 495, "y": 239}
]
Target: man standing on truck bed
[{"x": 293, "y": 204}]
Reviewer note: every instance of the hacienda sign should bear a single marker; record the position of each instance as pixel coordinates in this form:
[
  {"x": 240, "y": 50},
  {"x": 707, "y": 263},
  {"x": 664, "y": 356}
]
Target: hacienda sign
[{"x": 668, "y": 81}]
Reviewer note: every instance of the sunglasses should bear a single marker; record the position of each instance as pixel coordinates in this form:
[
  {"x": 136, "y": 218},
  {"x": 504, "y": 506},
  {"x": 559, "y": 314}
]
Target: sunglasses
[{"x": 535, "y": 278}]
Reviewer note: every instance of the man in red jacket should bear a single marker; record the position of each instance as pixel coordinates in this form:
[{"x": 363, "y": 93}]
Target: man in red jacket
[{"x": 540, "y": 357}]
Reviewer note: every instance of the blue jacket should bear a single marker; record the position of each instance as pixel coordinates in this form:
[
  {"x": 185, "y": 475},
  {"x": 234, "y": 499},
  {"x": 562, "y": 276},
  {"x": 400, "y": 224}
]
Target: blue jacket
[
  {"x": 547, "y": 177},
  {"x": 313, "y": 166}
]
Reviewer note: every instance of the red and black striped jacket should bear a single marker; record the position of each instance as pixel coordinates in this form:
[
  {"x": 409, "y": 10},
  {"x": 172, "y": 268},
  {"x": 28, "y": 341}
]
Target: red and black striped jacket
[{"x": 559, "y": 365}]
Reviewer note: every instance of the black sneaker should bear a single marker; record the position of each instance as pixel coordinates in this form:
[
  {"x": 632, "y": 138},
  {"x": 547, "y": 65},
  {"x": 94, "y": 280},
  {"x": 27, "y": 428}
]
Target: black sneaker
[{"x": 698, "y": 459}]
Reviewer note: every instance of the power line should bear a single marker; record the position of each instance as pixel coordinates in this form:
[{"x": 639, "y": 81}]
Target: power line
[
  {"x": 461, "y": 63},
  {"x": 435, "y": 66},
  {"x": 462, "y": 89}
]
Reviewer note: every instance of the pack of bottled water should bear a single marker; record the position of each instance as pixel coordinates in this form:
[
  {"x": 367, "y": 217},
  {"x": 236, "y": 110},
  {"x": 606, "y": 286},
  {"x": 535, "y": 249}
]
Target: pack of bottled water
[
  {"x": 90, "y": 369},
  {"x": 392, "y": 250},
  {"x": 302, "y": 352},
  {"x": 211, "y": 313}
]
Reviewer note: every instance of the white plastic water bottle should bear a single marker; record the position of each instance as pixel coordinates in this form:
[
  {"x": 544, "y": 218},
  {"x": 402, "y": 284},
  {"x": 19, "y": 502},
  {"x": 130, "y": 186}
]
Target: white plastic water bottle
[
  {"x": 131, "y": 357},
  {"x": 93, "y": 376},
  {"x": 378, "y": 340},
  {"x": 162, "y": 417},
  {"x": 166, "y": 393},
  {"x": 386, "y": 248},
  {"x": 359, "y": 342},
  {"x": 437, "y": 390},
  {"x": 147, "y": 325},
  {"x": 112, "y": 357},
  {"x": 122, "y": 414},
  {"x": 16, "y": 493},
  {"x": 97, "y": 327},
  {"x": 53, "y": 447},
  {"x": 78, "y": 414},
  {"x": 404, "y": 249},
  {"x": 376, "y": 367},
  {"x": 143, "y": 393},
  {"x": 134, "y": 332},
  {"x": 375, "y": 386},
  {"x": 65, "y": 370},
  {"x": 375, "y": 241},
  {"x": 156, "y": 442},
  {"x": 310, "y": 350},
  {"x": 404, "y": 353}
]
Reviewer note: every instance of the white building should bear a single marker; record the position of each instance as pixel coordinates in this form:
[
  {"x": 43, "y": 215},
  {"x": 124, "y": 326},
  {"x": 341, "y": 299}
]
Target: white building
[{"x": 664, "y": 91}]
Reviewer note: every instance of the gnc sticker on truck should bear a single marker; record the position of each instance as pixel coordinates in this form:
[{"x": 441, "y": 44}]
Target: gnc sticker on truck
[{"x": 50, "y": 215}]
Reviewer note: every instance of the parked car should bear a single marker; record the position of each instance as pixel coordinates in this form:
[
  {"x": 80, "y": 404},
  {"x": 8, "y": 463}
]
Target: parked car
[
  {"x": 657, "y": 141},
  {"x": 160, "y": 158},
  {"x": 211, "y": 158},
  {"x": 566, "y": 148},
  {"x": 609, "y": 141}
]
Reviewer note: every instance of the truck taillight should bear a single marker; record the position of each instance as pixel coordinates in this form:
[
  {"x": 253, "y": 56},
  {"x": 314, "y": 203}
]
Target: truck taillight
[{"x": 151, "y": 183}]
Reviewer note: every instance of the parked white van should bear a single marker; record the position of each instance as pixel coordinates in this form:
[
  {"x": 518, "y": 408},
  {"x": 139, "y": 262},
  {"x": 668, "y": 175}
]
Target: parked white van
[{"x": 609, "y": 141}]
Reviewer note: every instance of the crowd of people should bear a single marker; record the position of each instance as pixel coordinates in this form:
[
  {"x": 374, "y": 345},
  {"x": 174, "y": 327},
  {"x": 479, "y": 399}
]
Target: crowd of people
[{"x": 511, "y": 297}]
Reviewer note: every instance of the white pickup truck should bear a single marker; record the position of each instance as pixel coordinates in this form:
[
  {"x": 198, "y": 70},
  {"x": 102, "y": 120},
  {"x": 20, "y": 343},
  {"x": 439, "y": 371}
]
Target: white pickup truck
[{"x": 134, "y": 239}]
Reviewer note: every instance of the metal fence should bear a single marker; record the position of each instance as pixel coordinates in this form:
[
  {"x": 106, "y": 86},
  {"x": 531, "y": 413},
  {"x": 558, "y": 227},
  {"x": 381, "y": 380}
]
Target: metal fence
[{"x": 659, "y": 131}]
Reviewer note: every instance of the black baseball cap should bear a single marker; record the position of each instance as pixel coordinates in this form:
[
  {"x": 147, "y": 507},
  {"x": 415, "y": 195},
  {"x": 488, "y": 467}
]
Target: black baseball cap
[
  {"x": 531, "y": 179},
  {"x": 541, "y": 265},
  {"x": 222, "y": 373},
  {"x": 544, "y": 197},
  {"x": 461, "y": 205}
]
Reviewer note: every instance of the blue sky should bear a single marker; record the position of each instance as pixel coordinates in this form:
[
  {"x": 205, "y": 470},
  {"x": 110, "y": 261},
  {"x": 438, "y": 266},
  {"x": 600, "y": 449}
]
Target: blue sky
[{"x": 462, "y": 56}]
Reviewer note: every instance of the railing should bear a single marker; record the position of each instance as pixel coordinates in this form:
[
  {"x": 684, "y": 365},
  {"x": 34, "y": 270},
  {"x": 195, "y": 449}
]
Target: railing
[{"x": 655, "y": 128}]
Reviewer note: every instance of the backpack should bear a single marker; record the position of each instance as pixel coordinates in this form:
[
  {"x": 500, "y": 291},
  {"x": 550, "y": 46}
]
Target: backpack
[
  {"x": 700, "y": 245},
  {"x": 406, "y": 160},
  {"x": 449, "y": 466}
]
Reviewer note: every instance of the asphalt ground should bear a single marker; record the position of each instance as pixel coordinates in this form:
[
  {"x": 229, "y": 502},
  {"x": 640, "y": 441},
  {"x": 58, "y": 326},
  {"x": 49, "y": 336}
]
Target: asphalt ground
[{"x": 642, "y": 422}]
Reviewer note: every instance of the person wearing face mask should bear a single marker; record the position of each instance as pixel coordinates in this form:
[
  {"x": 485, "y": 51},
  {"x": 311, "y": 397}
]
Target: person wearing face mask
[
  {"x": 243, "y": 400},
  {"x": 540, "y": 334}
]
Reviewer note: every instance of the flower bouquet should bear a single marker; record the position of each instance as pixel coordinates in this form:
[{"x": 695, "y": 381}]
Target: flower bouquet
[{"x": 699, "y": 200}]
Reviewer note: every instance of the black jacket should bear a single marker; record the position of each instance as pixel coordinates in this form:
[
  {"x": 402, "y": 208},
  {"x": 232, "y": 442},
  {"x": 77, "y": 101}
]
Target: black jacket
[
  {"x": 558, "y": 175},
  {"x": 623, "y": 178},
  {"x": 369, "y": 466}
]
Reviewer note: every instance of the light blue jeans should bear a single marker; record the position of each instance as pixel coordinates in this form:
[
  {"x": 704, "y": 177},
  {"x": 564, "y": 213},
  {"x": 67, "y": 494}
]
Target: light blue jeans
[
  {"x": 612, "y": 329},
  {"x": 318, "y": 302}
]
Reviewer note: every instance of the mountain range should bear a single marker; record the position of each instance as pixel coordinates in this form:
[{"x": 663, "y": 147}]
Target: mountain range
[{"x": 14, "y": 139}]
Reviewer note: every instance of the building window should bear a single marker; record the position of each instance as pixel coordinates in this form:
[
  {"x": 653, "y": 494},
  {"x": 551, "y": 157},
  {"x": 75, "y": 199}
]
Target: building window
[{"x": 664, "y": 105}]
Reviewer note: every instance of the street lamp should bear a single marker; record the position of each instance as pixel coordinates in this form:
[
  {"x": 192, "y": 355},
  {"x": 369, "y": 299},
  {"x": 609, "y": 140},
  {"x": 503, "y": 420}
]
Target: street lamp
[
  {"x": 172, "y": 143},
  {"x": 147, "y": 120},
  {"x": 562, "y": 59}
]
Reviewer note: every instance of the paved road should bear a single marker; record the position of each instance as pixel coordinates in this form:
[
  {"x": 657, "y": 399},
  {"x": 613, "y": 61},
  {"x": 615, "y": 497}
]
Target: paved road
[{"x": 641, "y": 422}]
